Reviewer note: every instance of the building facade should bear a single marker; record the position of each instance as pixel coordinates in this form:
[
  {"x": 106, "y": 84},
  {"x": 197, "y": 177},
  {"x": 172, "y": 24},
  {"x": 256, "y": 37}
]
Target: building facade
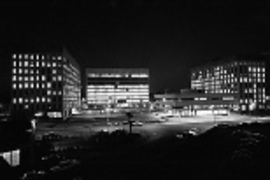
[
  {"x": 246, "y": 78},
  {"x": 121, "y": 87},
  {"x": 45, "y": 82}
]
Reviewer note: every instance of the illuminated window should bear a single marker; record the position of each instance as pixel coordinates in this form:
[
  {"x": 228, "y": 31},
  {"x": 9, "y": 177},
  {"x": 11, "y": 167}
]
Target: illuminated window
[
  {"x": 43, "y": 64},
  {"x": 20, "y": 100},
  {"x": 59, "y": 57},
  {"x": 20, "y": 78},
  {"x": 26, "y": 78},
  {"x": 49, "y": 100},
  {"x": 31, "y": 71},
  {"x": 59, "y": 92},
  {"x": 37, "y": 64},
  {"x": 54, "y": 64},
  {"x": 54, "y": 71},
  {"x": 43, "y": 57},
  {"x": 37, "y": 57},
  {"x": 14, "y": 78},
  {"x": 43, "y": 85},
  {"x": 37, "y": 99},
  {"x": 59, "y": 78},
  {"x": 32, "y": 85},
  {"x": 31, "y": 78},
  {"x": 14, "y": 101},
  {"x": 25, "y": 85},
  {"x": 14, "y": 63},
  {"x": 37, "y": 85},
  {"x": 32, "y": 57},
  {"x": 43, "y": 78},
  {"x": 37, "y": 78},
  {"x": 20, "y": 86},
  {"x": 14, "y": 86},
  {"x": 32, "y": 100},
  {"x": 43, "y": 99},
  {"x": 26, "y": 56},
  {"x": 54, "y": 78},
  {"x": 26, "y": 71},
  {"x": 49, "y": 92},
  {"x": 48, "y": 64},
  {"x": 20, "y": 71},
  {"x": 49, "y": 85}
]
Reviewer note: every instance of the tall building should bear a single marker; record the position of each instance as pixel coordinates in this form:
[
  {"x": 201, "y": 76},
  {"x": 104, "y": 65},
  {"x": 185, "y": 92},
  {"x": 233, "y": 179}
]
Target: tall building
[
  {"x": 117, "y": 86},
  {"x": 46, "y": 82},
  {"x": 243, "y": 76}
]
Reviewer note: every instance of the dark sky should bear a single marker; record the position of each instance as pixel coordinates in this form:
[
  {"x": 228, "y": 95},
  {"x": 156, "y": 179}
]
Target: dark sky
[{"x": 168, "y": 36}]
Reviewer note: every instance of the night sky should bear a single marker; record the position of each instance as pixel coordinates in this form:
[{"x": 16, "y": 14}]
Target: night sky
[{"x": 169, "y": 36}]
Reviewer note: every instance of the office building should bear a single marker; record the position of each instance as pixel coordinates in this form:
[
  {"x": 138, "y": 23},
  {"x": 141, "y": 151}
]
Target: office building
[
  {"x": 243, "y": 76},
  {"x": 46, "y": 82},
  {"x": 121, "y": 87}
]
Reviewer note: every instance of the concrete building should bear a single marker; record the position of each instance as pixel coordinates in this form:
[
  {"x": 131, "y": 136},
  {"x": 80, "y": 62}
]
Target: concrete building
[
  {"x": 121, "y": 87},
  {"x": 241, "y": 75},
  {"x": 196, "y": 103},
  {"x": 46, "y": 82}
]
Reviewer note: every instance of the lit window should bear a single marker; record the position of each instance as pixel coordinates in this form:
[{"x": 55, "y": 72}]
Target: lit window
[
  {"x": 20, "y": 100},
  {"x": 20, "y": 64},
  {"x": 37, "y": 64},
  {"x": 20, "y": 56},
  {"x": 48, "y": 64},
  {"x": 37, "y": 85},
  {"x": 20, "y": 86},
  {"x": 37, "y": 57},
  {"x": 32, "y": 57},
  {"x": 25, "y": 85},
  {"x": 49, "y": 100},
  {"x": 43, "y": 99},
  {"x": 49, "y": 85},
  {"x": 31, "y": 71},
  {"x": 14, "y": 63},
  {"x": 14, "y": 78},
  {"x": 43, "y": 78},
  {"x": 31, "y": 78},
  {"x": 59, "y": 92},
  {"x": 26, "y": 56},
  {"x": 20, "y": 78},
  {"x": 43, "y": 64},
  {"x": 20, "y": 71},
  {"x": 14, "y": 100},
  {"x": 54, "y": 92},
  {"x": 59, "y": 78},
  {"x": 43, "y": 85},
  {"x": 26, "y": 71},
  {"x": 54, "y": 64},
  {"x": 32, "y": 85},
  {"x": 37, "y": 99},
  {"x": 32, "y": 100},
  {"x": 26, "y": 78},
  {"x": 37, "y": 78},
  {"x": 43, "y": 57},
  {"x": 14, "y": 86},
  {"x": 54, "y": 78},
  {"x": 59, "y": 57},
  {"x": 54, "y": 71},
  {"x": 14, "y": 56},
  {"x": 49, "y": 92}
]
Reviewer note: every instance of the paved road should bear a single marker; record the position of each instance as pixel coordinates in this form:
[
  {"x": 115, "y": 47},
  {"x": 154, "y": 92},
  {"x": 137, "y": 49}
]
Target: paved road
[{"x": 88, "y": 125}]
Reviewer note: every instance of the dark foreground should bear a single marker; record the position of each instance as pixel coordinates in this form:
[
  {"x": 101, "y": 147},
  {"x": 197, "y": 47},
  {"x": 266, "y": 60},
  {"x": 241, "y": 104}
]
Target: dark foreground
[{"x": 224, "y": 152}]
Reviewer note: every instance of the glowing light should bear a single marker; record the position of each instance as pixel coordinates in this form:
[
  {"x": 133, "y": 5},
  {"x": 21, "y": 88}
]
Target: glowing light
[
  {"x": 49, "y": 85},
  {"x": 26, "y": 56},
  {"x": 14, "y": 78},
  {"x": 20, "y": 100},
  {"x": 14, "y": 86}
]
